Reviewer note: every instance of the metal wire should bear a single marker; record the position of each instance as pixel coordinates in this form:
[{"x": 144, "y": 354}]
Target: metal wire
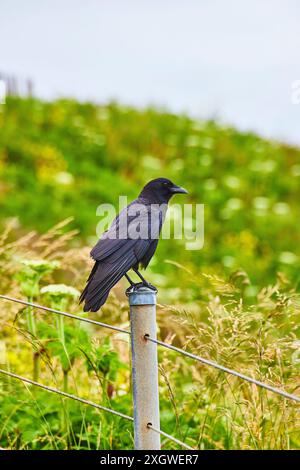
[
  {"x": 161, "y": 343},
  {"x": 147, "y": 337},
  {"x": 90, "y": 403},
  {"x": 225, "y": 369},
  {"x": 65, "y": 314},
  {"x": 177, "y": 441},
  {"x": 65, "y": 394}
]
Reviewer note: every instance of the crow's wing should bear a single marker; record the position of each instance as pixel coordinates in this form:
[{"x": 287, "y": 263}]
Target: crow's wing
[
  {"x": 131, "y": 236},
  {"x": 136, "y": 222},
  {"x": 145, "y": 260},
  {"x": 160, "y": 216},
  {"x": 108, "y": 272}
]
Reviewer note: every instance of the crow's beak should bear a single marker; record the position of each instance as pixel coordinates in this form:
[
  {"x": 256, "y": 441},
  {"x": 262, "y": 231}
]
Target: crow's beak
[{"x": 178, "y": 190}]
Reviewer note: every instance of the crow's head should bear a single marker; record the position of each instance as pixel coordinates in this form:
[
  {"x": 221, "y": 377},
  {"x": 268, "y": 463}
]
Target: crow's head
[{"x": 161, "y": 190}]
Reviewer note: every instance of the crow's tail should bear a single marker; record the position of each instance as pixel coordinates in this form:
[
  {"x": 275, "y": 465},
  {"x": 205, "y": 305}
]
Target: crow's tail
[{"x": 101, "y": 280}]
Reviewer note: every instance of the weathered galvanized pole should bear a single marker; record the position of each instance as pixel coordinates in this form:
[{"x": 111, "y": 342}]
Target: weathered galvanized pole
[{"x": 142, "y": 301}]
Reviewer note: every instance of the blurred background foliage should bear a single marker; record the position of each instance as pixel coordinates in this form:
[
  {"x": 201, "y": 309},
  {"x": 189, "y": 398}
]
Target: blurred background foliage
[
  {"x": 235, "y": 301},
  {"x": 64, "y": 158}
]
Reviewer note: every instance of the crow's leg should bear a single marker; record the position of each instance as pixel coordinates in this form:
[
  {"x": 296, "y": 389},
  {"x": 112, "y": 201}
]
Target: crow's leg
[
  {"x": 145, "y": 283},
  {"x": 140, "y": 276},
  {"x": 129, "y": 280},
  {"x": 133, "y": 285}
]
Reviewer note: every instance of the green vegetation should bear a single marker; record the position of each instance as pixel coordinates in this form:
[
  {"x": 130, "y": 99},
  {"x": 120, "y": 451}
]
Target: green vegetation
[{"x": 235, "y": 301}]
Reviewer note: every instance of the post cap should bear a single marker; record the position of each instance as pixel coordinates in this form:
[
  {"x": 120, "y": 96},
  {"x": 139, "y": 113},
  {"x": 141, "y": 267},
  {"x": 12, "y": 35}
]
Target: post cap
[{"x": 141, "y": 295}]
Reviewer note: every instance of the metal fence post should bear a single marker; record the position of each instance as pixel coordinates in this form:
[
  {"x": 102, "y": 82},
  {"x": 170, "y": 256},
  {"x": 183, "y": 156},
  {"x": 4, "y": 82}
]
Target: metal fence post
[{"x": 142, "y": 301}]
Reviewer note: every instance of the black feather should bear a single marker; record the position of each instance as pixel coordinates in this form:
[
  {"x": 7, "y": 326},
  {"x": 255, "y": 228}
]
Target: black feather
[{"x": 119, "y": 250}]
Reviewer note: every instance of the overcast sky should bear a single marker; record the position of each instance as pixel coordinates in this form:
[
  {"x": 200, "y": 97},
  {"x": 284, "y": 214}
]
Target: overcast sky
[{"x": 232, "y": 59}]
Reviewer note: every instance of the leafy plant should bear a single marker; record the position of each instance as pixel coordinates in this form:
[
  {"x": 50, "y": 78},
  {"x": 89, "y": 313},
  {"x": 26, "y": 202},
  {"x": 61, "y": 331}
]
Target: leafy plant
[
  {"x": 29, "y": 276},
  {"x": 236, "y": 301}
]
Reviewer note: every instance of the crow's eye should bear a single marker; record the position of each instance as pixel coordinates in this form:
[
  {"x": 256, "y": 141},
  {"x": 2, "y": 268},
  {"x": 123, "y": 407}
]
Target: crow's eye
[{"x": 165, "y": 184}]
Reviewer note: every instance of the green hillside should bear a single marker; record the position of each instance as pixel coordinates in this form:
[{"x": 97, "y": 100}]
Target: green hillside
[
  {"x": 235, "y": 302},
  {"x": 64, "y": 158}
]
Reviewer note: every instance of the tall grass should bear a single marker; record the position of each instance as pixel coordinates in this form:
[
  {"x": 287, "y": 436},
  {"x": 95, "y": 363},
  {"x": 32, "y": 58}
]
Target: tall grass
[{"x": 202, "y": 406}]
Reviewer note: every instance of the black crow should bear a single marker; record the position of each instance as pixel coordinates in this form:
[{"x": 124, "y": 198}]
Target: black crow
[{"x": 130, "y": 241}]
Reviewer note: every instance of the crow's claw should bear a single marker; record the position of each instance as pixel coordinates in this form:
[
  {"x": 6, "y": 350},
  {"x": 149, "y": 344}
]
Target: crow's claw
[
  {"x": 136, "y": 286},
  {"x": 150, "y": 286}
]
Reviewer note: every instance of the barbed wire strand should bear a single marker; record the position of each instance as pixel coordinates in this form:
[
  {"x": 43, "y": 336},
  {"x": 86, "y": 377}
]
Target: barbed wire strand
[
  {"x": 225, "y": 369},
  {"x": 177, "y": 441},
  {"x": 65, "y": 314},
  {"x": 65, "y": 394}
]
